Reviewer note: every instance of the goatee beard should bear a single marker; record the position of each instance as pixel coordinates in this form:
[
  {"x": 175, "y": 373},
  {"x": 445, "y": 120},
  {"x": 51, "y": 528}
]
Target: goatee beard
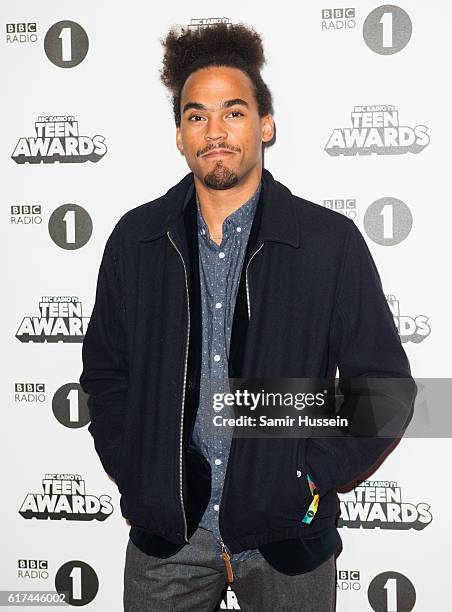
[{"x": 221, "y": 177}]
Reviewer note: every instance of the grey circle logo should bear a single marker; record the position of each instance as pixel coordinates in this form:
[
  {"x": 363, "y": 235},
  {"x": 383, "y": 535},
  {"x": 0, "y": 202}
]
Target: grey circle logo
[
  {"x": 388, "y": 221},
  {"x": 79, "y": 581},
  {"x": 70, "y": 226},
  {"x": 387, "y": 29},
  {"x": 66, "y": 44},
  {"x": 70, "y": 406},
  {"x": 391, "y": 591}
]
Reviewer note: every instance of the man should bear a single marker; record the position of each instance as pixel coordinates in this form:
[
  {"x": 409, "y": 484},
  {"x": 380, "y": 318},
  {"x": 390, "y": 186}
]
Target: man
[{"x": 230, "y": 276}]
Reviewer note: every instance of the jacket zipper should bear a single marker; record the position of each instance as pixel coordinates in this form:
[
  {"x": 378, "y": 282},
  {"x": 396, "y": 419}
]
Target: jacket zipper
[
  {"x": 181, "y": 493},
  {"x": 246, "y": 278},
  {"x": 226, "y": 554}
]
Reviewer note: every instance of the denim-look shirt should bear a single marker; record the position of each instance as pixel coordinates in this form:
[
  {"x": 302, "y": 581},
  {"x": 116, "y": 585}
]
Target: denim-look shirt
[{"x": 219, "y": 271}]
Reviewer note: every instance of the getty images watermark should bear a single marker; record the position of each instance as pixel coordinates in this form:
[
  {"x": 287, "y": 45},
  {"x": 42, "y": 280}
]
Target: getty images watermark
[
  {"x": 248, "y": 400},
  {"x": 365, "y": 406}
]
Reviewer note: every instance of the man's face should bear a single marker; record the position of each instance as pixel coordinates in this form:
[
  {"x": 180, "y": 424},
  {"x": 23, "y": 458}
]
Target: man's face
[{"x": 221, "y": 133}]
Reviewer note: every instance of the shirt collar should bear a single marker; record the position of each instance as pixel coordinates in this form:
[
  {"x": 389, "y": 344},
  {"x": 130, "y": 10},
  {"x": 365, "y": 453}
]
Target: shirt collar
[{"x": 241, "y": 217}]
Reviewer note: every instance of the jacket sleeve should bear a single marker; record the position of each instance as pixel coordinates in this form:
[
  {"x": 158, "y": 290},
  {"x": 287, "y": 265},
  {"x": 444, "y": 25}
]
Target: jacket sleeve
[
  {"x": 104, "y": 354},
  {"x": 374, "y": 375}
]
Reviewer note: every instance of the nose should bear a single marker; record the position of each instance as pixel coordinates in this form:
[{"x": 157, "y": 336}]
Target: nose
[{"x": 215, "y": 130}]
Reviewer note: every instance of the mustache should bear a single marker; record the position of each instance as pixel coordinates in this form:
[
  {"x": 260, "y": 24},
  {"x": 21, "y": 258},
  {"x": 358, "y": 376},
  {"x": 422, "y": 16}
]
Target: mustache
[{"x": 209, "y": 148}]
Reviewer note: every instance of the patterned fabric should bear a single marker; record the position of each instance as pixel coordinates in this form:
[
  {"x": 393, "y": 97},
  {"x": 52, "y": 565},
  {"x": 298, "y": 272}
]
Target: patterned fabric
[{"x": 219, "y": 271}]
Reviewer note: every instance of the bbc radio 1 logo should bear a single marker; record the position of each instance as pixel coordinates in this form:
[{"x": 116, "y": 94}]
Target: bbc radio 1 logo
[
  {"x": 20, "y": 33},
  {"x": 29, "y": 393},
  {"x": 344, "y": 206},
  {"x": 377, "y": 130},
  {"x": 348, "y": 580},
  {"x": 66, "y": 44},
  {"x": 338, "y": 19},
  {"x": 60, "y": 319},
  {"x": 70, "y": 406},
  {"x": 380, "y": 504},
  {"x": 58, "y": 139},
  {"x": 75, "y": 580},
  {"x": 70, "y": 226},
  {"x": 411, "y": 328},
  {"x": 391, "y": 591},
  {"x": 387, "y": 29},
  {"x": 25, "y": 214},
  {"x": 33, "y": 569},
  {"x": 388, "y": 221},
  {"x": 69, "y": 402},
  {"x": 65, "y": 496}
]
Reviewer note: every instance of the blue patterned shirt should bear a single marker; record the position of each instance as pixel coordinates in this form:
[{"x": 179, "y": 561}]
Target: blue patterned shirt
[{"x": 219, "y": 272}]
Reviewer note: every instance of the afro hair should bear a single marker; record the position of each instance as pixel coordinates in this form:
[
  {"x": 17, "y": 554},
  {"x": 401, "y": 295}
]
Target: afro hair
[{"x": 221, "y": 44}]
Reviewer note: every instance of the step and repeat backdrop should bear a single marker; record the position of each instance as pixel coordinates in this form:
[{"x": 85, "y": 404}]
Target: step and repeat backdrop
[{"x": 362, "y": 103}]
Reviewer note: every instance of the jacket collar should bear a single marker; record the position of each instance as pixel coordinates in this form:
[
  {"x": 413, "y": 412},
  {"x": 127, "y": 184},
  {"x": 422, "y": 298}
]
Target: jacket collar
[{"x": 279, "y": 222}]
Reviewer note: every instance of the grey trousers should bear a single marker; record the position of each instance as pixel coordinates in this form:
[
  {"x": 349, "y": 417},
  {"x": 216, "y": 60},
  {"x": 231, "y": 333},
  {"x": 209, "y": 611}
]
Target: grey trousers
[{"x": 194, "y": 580}]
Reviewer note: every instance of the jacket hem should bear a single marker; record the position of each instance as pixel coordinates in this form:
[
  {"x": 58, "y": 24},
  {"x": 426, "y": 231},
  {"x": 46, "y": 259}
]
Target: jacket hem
[{"x": 258, "y": 539}]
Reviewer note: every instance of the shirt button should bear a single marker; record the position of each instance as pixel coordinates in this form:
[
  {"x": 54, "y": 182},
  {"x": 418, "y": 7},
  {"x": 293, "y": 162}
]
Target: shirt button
[
  {"x": 203, "y": 231},
  {"x": 217, "y": 357},
  {"x": 218, "y": 305},
  {"x": 239, "y": 229},
  {"x": 217, "y": 461},
  {"x": 221, "y": 255},
  {"x": 216, "y": 507}
]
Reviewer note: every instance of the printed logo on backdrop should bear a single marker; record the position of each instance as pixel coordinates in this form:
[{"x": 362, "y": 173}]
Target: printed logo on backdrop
[
  {"x": 64, "y": 496},
  {"x": 411, "y": 329},
  {"x": 20, "y": 33},
  {"x": 60, "y": 319},
  {"x": 70, "y": 407},
  {"x": 58, "y": 139},
  {"x": 202, "y": 22},
  {"x": 25, "y": 214},
  {"x": 348, "y": 580},
  {"x": 29, "y": 393},
  {"x": 346, "y": 206},
  {"x": 32, "y": 569},
  {"x": 380, "y": 504},
  {"x": 79, "y": 580},
  {"x": 387, "y": 29},
  {"x": 66, "y": 44},
  {"x": 376, "y": 129},
  {"x": 388, "y": 221},
  {"x": 338, "y": 19},
  {"x": 391, "y": 592},
  {"x": 70, "y": 226}
]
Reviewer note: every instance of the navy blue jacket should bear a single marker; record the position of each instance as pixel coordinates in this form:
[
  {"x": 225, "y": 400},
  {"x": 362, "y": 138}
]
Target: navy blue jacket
[{"x": 310, "y": 300}]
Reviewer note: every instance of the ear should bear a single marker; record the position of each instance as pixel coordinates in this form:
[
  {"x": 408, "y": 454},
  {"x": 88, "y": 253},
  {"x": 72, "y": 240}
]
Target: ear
[
  {"x": 179, "y": 141},
  {"x": 268, "y": 128}
]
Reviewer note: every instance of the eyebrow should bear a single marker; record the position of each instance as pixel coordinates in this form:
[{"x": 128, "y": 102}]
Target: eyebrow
[{"x": 226, "y": 104}]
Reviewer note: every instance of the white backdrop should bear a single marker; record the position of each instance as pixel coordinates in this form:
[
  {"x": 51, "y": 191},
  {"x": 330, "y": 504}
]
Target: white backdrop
[{"x": 91, "y": 71}]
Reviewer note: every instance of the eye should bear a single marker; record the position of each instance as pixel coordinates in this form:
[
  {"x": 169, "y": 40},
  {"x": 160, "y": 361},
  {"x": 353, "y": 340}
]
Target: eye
[
  {"x": 236, "y": 113},
  {"x": 194, "y": 117}
]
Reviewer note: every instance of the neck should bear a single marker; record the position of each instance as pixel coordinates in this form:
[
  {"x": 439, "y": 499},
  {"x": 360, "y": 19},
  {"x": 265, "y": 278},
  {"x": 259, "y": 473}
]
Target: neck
[{"x": 217, "y": 204}]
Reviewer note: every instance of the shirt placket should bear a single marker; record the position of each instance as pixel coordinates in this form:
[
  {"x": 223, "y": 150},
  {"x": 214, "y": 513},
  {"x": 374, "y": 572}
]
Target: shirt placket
[
  {"x": 219, "y": 369},
  {"x": 217, "y": 261}
]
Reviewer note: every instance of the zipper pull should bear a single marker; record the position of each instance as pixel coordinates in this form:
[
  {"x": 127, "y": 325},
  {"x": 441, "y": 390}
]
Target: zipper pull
[{"x": 227, "y": 561}]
